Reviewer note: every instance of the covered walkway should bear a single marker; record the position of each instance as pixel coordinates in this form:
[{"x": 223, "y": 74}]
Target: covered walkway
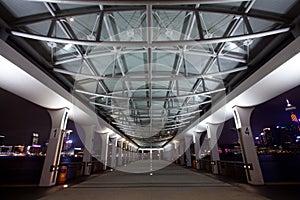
[{"x": 149, "y": 80}]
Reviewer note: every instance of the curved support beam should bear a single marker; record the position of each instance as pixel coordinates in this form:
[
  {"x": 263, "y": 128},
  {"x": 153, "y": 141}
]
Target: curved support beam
[
  {"x": 126, "y": 2},
  {"x": 154, "y": 43}
]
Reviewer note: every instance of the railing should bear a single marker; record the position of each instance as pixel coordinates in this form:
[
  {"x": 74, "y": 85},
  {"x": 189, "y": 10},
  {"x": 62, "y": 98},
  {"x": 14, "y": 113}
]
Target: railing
[
  {"x": 205, "y": 165},
  {"x": 232, "y": 169},
  {"x": 76, "y": 169}
]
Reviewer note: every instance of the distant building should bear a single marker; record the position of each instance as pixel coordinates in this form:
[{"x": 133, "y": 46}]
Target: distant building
[
  {"x": 35, "y": 139},
  {"x": 266, "y": 137},
  {"x": 1, "y": 139},
  {"x": 290, "y": 107}
]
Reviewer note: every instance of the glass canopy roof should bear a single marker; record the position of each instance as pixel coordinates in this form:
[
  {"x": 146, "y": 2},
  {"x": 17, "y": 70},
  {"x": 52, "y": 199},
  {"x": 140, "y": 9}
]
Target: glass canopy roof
[{"x": 153, "y": 67}]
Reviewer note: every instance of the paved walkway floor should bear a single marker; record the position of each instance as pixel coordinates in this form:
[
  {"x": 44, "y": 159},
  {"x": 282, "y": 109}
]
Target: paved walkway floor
[{"x": 173, "y": 182}]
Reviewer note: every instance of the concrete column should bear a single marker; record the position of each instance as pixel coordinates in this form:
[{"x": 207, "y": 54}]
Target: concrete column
[
  {"x": 204, "y": 145},
  {"x": 120, "y": 153},
  {"x": 125, "y": 158},
  {"x": 176, "y": 150},
  {"x": 159, "y": 154},
  {"x": 89, "y": 132},
  {"x": 59, "y": 120},
  {"x": 104, "y": 149},
  {"x": 252, "y": 166},
  {"x": 113, "y": 159},
  {"x": 213, "y": 133},
  {"x": 197, "y": 148},
  {"x": 130, "y": 154},
  {"x": 188, "y": 141},
  {"x": 167, "y": 156},
  {"x": 142, "y": 154},
  {"x": 172, "y": 152},
  {"x": 181, "y": 152}
]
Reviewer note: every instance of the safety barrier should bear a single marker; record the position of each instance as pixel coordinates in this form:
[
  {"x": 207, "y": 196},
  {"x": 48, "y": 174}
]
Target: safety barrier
[{"x": 232, "y": 169}]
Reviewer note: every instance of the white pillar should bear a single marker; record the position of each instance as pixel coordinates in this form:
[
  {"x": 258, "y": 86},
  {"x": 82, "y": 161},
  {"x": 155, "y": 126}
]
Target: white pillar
[
  {"x": 159, "y": 154},
  {"x": 129, "y": 154},
  {"x": 124, "y": 153},
  {"x": 197, "y": 145},
  {"x": 142, "y": 154},
  {"x": 176, "y": 150},
  {"x": 204, "y": 146},
  {"x": 197, "y": 148},
  {"x": 89, "y": 132},
  {"x": 213, "y": 133},
  {"x": 120, "y": 153},
  {"x": 188, "y": 141},
  {"x": 167, "y": 156},
  {"x": 113, "y": 153},
  {"x": 104, "y": 149},
  {"x": 242, "y": 122},
  {"x": 181, "y": 152},
  {"x": 59, "y": 120}
]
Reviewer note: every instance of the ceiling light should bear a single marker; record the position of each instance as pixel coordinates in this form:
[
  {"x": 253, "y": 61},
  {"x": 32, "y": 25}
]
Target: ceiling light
[
  {"x": 51, "y": 44},
  {"x": 71, "y": 19},
  {"x": 67, "y": 47},
  {"x": 91, "y": 37},
  {"x": 232, "y": 46},
  {"x": 130, "y": 33},
  {"x": 247, "y": 42},
  {"x": 208, "y": 35}
]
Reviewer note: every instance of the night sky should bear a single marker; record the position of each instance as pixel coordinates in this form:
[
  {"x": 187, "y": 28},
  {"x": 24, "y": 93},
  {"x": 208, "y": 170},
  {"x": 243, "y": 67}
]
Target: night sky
[
  {"x": 20, "y": 118},
  {"x": 265, "y": 115},
  {"x": 273, "y": 112}
]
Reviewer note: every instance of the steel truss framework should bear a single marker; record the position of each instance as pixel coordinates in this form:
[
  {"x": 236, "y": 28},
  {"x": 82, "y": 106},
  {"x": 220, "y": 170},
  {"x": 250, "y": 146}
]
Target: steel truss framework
[{"x": 150, "y": 68}]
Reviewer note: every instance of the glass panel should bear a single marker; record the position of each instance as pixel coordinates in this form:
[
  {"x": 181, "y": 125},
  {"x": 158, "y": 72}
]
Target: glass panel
[{"x": 24, "y": 8}]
